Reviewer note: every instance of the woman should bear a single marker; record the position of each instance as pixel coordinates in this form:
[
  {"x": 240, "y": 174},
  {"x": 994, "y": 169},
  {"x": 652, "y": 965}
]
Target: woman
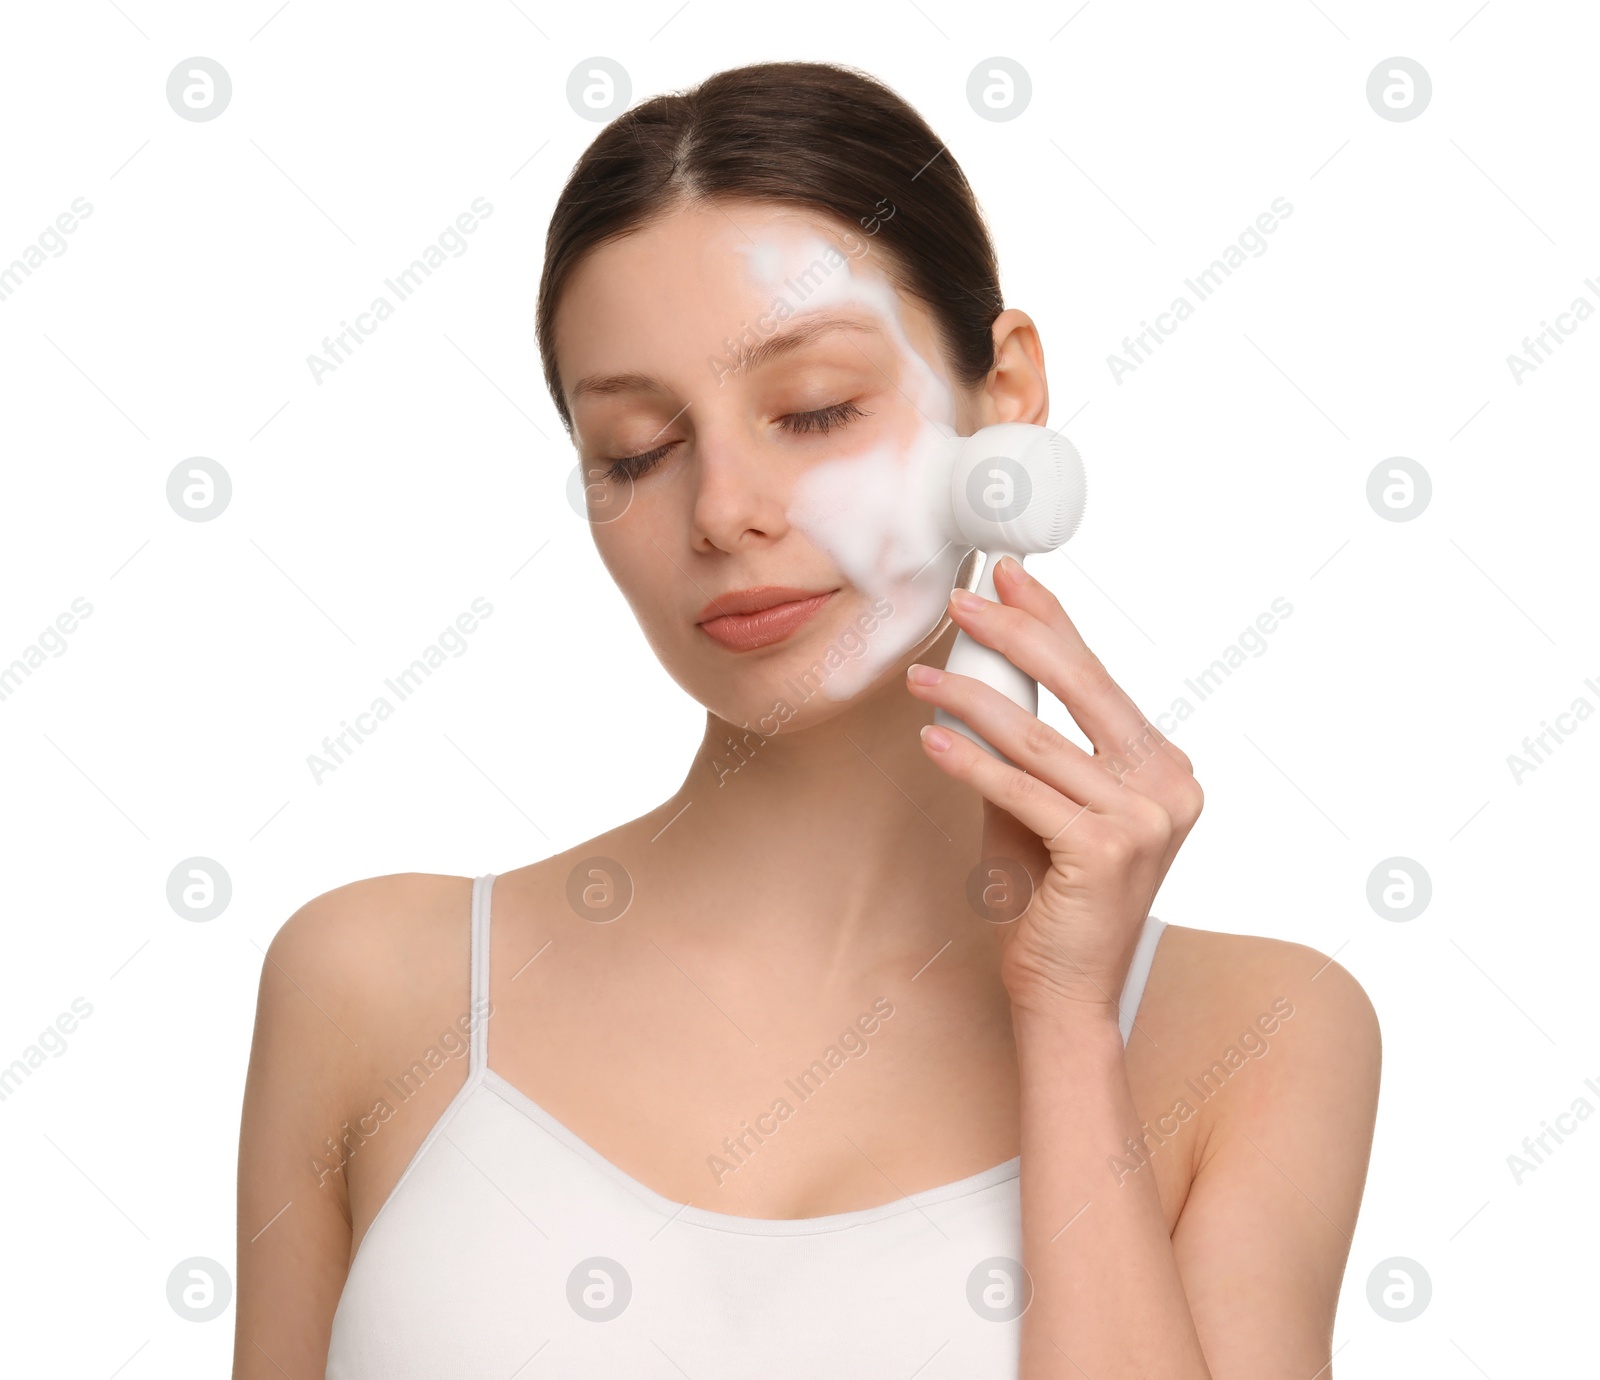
[{"x": 862, "y": 1054}]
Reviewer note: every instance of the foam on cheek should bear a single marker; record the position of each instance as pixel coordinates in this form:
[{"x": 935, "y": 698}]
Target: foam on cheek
[{"x": 865, "y": 509}]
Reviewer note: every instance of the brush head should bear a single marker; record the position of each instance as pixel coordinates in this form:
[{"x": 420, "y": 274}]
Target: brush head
[{"x": 1013, "y": 487}]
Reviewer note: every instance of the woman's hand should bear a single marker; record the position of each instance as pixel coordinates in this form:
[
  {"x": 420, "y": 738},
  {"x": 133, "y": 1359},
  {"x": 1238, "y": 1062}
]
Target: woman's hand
[{"x": 1095, "y": 834}]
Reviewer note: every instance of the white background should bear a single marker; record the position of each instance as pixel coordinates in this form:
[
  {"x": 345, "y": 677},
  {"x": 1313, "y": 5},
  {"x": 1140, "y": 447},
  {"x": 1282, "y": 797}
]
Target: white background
[{"x": 370, "y": 510}]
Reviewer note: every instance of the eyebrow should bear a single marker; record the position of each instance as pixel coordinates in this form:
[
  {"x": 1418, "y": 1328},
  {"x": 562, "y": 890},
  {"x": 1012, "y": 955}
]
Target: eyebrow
[{"x": 806, "y": 329}]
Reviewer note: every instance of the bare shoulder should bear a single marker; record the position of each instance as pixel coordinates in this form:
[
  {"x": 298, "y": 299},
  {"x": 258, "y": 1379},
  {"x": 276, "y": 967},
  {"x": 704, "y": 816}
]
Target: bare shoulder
[
  {"x": 342, "y": 978},
  {"x": 1282, "y": 1027},
  {"x": 368, "y": 922},
  {"x": 1206, "y": 981},
  {"x": 369, "y": 909},
  {"x": 362, "y": 956},
  {"x": 1266, "y": 1058}
]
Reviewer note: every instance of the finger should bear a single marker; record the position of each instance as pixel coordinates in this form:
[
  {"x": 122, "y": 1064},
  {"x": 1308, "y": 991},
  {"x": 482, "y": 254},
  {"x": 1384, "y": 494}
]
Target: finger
[
  {"x": 1034, "y": 633},
  {"x": 1172, "y": 781},
  {"x": 1019, "y": 589},
  {"x": 1039, "y": 750},
  {"x": 1026, "y": 739},
  {"x": 1034, "y": 802}
]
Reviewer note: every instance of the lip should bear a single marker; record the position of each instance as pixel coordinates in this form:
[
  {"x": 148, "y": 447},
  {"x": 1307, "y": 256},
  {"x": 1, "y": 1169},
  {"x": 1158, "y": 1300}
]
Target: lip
[{"x": 745, "y": 619}]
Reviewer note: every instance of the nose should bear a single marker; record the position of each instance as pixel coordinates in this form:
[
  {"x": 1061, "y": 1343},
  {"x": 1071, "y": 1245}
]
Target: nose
[{"x": 740, "y": 491}]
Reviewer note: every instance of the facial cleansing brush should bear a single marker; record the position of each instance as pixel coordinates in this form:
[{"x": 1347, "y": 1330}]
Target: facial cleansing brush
[{"x": 1010, "y": 489}]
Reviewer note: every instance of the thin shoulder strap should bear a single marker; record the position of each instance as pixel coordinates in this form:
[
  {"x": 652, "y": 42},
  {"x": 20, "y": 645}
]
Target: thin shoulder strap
[
  {"x": 479, "y": 1012},
  {"x": 1138, "y": 973}
]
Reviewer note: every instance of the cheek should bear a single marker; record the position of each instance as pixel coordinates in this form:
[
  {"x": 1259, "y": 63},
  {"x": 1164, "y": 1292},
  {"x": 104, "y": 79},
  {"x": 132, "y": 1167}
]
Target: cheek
[
  {"x": 870, "y": 513},
  {"x": 635, "y": 561}
]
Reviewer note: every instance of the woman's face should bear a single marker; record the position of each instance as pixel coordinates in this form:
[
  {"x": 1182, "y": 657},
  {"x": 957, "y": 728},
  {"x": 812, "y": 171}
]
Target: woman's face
[{"x": 752, "y": 403}]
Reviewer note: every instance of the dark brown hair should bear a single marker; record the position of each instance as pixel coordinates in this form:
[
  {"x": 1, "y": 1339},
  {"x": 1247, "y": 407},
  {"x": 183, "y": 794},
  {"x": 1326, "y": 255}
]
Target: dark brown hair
[{"x": 811, "y": 134}]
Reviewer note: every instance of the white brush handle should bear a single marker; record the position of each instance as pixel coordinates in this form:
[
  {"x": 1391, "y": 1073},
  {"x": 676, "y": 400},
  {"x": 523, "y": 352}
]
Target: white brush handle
[{"x": 969, "y": 657}]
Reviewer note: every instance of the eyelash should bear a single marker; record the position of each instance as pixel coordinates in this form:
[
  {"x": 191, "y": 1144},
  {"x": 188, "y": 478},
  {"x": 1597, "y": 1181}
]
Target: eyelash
[{"x": 822, "y": 419}]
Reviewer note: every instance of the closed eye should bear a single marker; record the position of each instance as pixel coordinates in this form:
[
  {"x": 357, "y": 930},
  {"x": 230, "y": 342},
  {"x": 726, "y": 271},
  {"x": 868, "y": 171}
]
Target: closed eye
[{"x": 823, "y": 419}]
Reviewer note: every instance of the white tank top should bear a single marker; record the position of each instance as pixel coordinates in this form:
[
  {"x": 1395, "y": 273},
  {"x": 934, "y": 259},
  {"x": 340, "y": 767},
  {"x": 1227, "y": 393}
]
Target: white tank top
[{"x": 510, "y": 1249}]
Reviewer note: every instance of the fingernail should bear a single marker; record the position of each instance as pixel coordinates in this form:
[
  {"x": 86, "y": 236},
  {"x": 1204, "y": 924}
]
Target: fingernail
[
  {"x": 1014, "y": 570},
  {"x": 968, "y": 601},
  {"x": 925, "y": 675},
  {"x": 936, "y": 738}
]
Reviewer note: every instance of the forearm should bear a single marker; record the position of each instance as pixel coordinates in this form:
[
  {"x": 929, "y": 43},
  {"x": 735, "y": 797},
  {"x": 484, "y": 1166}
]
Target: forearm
[{"x": 1107, "y": 1297}]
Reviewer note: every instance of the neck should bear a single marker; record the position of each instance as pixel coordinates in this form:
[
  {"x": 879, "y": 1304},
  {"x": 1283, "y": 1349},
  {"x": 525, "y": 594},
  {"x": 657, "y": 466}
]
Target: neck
[{"x": 835, "y": 847}]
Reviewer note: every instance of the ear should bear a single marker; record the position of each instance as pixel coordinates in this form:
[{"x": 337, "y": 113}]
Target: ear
[{"x": 1016, "y": 390}]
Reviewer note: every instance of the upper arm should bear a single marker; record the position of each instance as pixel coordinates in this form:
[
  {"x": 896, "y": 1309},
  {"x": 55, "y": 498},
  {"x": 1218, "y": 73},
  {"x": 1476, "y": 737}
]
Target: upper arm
[
  {"x": 1265, "y": 1233},
  {"x": 309, "y": 1053}
]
